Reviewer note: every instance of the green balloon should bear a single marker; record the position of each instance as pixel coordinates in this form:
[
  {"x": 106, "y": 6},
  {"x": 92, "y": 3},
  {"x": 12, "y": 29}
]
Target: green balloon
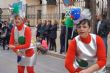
[
  {"x": 69, "y": 22},
  {"x": 21, "y": 40}
]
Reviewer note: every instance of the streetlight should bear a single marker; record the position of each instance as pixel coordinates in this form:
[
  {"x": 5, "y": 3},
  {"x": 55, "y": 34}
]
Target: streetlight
[
  {"x": 59, "y": 9},
  {"x": 102, "y": 7},
  {"x": 0, "y": 13}
]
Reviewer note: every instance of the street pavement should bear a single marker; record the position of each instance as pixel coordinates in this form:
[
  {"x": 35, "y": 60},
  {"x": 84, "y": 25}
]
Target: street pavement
[
  {"x": 51, "y": 63},
  {"x": 45, "y": 63}
]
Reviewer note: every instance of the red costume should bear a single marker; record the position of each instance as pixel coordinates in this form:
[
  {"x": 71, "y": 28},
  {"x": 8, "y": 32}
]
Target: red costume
[
  {"x": 29, "y": 52},
  {"x": 72, "y": 50}
]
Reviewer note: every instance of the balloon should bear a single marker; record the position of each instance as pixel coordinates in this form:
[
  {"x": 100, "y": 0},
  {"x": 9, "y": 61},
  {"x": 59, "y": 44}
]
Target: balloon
[
  {"x": 69, "y": 22},
  {"x": 85, "y": 14},
  {"x": 21, "y": 40},
  {"x": 67, "y": 12},
  {"x": 75, "y": 12},
  {"x": 71, "y": 16},
  {"x": 68, "y": 2}
]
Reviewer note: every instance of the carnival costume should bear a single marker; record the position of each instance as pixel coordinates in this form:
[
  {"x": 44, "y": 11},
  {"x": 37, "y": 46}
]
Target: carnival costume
[
  {"x": 28, "y": 58},
  {"x": 89, "y": 51}
]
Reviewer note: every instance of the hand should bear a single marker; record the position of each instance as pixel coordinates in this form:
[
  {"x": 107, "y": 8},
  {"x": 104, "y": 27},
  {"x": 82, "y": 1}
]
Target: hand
[
  {"x": 85, "y": 71},
  {"x": 11, "y": 46},
  {"x": 19, "y": 53}
]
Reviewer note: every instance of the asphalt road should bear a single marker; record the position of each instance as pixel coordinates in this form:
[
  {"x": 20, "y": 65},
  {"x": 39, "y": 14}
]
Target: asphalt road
[{"x": 45, "y": 63}]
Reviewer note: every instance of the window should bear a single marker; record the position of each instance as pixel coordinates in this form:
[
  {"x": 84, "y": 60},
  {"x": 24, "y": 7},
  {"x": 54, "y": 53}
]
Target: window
[
  {"x": 51, "y": 2},
  {"x": 40, "y": 1}
]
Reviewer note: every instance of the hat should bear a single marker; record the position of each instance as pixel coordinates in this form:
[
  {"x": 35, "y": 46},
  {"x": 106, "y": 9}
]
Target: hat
[{"x": 19, "y": 8}]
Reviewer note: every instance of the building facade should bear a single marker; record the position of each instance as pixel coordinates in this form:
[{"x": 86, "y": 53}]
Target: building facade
[
  {"x": 36, "y": 9},
  {"x": 44, "y": 9}
]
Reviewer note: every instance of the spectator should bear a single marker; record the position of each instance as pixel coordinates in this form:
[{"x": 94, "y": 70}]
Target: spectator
[
  {"x": 53, "y": 36},
  {"x": 38, "y": 28},
  {"x": 62, "y": 38},
  {"x": 47, "y": 31},
  {"x": 41, "y": 45},
  {"x": 42, "y": 29},
  {"x": 5, "y": 34},
  {"x": 102, "y": 28}
]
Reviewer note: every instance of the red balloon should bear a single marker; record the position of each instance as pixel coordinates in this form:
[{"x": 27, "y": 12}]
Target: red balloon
[{"x": 71, "y": 16}]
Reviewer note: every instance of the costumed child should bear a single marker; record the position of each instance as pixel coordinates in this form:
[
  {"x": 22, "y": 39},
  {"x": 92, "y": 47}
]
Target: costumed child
[
  {"x": 41, "y": 45},
  {"x": 86, "y": 52},
  {"x": 21, "y": 44}
]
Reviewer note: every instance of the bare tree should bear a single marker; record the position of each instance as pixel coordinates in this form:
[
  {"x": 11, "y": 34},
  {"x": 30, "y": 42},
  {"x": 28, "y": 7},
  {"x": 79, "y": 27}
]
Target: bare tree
[
  {"x": 0, "y": 13},
  {"x": 108, "y": 9},
  {"x": 87, "y": 4},
  {"x": 91, "y": 4}
]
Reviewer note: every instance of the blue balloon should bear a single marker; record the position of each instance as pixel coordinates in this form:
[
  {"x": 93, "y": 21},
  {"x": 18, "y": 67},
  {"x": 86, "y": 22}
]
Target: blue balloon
[{"x": 75, "y": 13}]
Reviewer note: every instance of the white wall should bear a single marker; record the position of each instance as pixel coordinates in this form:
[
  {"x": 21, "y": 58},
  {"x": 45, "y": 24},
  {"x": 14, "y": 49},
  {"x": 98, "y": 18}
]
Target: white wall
[
  {"x": 32, "y": 2},
  {"x": 5, "y": 3}
]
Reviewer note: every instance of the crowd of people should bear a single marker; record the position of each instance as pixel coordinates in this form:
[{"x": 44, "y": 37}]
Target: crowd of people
[
  {"x": 5, "y": 29},
  {"x": 47, "y": 30}
]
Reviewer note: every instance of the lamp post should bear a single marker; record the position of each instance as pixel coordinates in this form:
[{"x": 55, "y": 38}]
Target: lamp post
[
  {"x": 0, "y": 13},
  {"x": 102, "y": 6},
  {"x": 59, "y": 9}
]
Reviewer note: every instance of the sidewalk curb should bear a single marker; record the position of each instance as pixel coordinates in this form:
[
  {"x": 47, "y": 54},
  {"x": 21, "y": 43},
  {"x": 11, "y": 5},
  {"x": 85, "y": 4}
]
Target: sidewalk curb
[{"x": 56, "y": 54}]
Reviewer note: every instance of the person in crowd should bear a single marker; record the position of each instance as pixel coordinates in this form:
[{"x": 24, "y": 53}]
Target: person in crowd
[
  {"x": 74, "y": 32},
  {"x": 5, "y": 34},
  {"x": 38, "y": 28},
  {"x": 42, "y": 46},
  {"x": 27, "y": 22},
  {"x": 53, "y": 36},
  {"x": 42, "y": 29},
  {"x": 0, "y": 33},
  {"x": 20, "y": 43},
  {"x": 101, "y": 28},
  {"x": 62, "y": 38},
  {"x": 47, "y": 30},
  {"x": 69, "y": 36},
  {"x": 86, "y": 52}
]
